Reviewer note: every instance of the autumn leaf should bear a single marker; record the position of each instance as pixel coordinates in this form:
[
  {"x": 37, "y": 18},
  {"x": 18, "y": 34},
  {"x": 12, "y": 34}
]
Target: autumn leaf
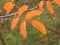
[
  {"x": 39, "y": 26},
  {"x": 41, "y": 5},
  {"x": 49, "y": 6},
  {"x": 22, "y": 9},
  {"x": 57, "y": 2},
  {"x": 8, "y": 6},
  {"x": 32, "y": 13},
  {"x": 23, "y": 29},
  {"x": 14, "y": 23}
]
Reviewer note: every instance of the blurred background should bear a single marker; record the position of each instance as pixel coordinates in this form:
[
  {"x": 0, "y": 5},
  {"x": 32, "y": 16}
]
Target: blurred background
[{"x": 34, "y": 37}]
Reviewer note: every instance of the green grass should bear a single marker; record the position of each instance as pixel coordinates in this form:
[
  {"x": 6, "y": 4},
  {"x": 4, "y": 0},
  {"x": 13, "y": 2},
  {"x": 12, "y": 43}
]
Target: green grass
[{"x": 34, "y": 37}]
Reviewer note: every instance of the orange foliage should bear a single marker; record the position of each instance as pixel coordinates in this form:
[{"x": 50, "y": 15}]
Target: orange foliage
[
  {"x": 8, "y": 6},
  {"x": 49, "y": 6},
  {"x": 41, "y": 5},
  {"x": 23, "y": 29},
  {"x": 57, "y": 2},
  {"x": 14, "y": 23},
  {"x": 22, "y": 10},
  {"x": 39, "y": 26},
  {"x": 32, "y": 13}
]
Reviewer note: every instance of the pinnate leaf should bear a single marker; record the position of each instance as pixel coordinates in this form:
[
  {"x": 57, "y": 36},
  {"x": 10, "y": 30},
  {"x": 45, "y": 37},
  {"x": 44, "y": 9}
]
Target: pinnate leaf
[
  {"x": 23, "y": 29},
  {"x": 39, "y": 26},
  {"x": 49, "y": 6},
  {"x": 14, "y": 23},
  {"x": 32, "y": 13},
  {"x": 8, "y": 6}
]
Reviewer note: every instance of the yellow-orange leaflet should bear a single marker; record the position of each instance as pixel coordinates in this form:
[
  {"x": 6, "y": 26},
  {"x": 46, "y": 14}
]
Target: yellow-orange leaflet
[
  {"x": 22, "y": 9},
  {"x": 39, "y": 26},
  {"x": 49, "y": 6},
  {"x": 23, "y": 29},
  {"x": 41, "y": 5},
  {"x": 57, "y": 2},
  {"x": 8, "y": 6},
  {"x": 33, "y": 13},
  {"x": 14, "y": 23}
]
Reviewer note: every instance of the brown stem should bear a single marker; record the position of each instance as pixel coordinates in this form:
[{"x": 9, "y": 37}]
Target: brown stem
[
  {"x": 1, "y": 38},
  {"x": 10, "y": 15},
  {"x": 54, "y": 30}
]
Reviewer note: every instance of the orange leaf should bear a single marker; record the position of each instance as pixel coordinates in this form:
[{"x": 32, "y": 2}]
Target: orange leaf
[
  {"x": 14, "y": 23},
  {"x": 49, "y": 6},
  {"x": 22, "y": 10},
  {"x": 23, "y": 29},
  {"x": 39, "y": 26},
  {"x": 41, "y": 5},
  {"x": 57, "y": 2},
  {"x": 8, "y": 6},
  {"x": 32, "y": 13}
]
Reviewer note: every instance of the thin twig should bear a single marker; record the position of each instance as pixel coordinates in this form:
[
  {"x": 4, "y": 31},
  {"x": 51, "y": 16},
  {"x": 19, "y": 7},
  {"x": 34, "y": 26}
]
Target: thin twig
[
  {"x": 54, "y": 30},
  {"x": 1, "y": 38},
  {"x": 10, "y": 15}
]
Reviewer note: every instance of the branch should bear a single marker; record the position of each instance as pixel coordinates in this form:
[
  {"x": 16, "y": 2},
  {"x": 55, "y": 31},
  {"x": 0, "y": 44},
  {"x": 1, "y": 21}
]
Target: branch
[
  {"x": 54, "y": 30},
  {"x": 1, "y": 38},
  {"x": 10, "y": 15}
]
